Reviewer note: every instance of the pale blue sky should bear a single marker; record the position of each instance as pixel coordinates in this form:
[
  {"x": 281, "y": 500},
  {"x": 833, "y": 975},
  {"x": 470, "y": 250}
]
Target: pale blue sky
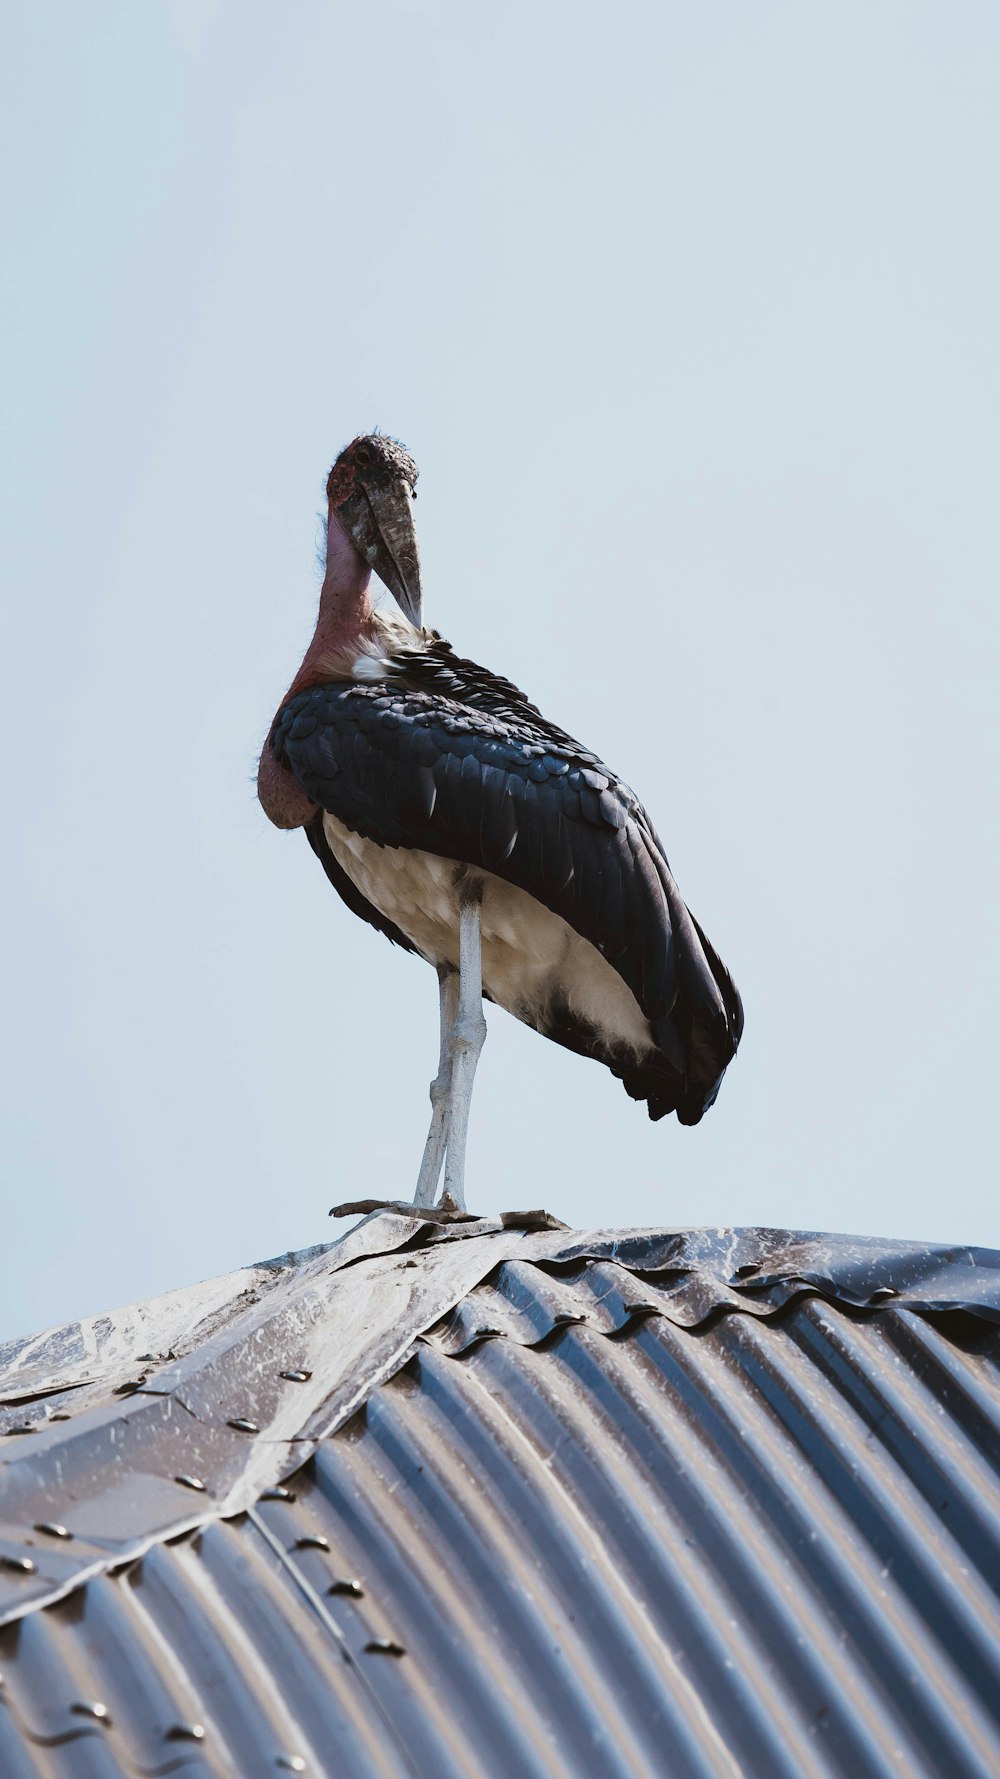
[{"x": 689, "y": 315}]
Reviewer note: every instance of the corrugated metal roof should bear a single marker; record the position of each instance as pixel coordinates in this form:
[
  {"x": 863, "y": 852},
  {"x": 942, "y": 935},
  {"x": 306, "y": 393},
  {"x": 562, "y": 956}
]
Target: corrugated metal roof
[{"x": 629, "y": 1503}]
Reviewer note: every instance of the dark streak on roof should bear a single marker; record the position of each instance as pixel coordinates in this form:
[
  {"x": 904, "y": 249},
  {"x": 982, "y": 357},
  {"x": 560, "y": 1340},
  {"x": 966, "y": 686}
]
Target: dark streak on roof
[{"x": 521, "y": 1503}]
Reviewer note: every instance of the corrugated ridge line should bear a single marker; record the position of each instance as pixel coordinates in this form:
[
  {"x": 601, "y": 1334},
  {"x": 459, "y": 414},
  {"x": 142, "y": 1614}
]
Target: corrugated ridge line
[
  {"x": 372, "y": 1724},
  {"x": 525, "y": 1302},
  {"x": 941, "y": 1459},
  {"x": 84, "y": 1756},
  {"x": 97, "y": 1646},
  {"x": 482, "y": 1636},
  {"x": 552, "y": 1524},
  {"x": 749, "y": 1334},
  {"x": 16, "y": 1754},
  {"x": 912, "y": 1455},
  {"x": 670, "y": 1482},
  {"x": 226, "y": 1597},
  {"x": 972, "y": 1396},
  {"x": 887, "y": 1505},
  {"x": 792, "y": 1405},
  {"x": 863, "y": 1517},
  {"x": 495, "y": 1686},
  {"x": 905, "y": 1702},
  {"x": 17, "y": 1757},
  {"x": 978, "y": 1507},
  {"x": 512, "y": 1632},
  {"x": 223, "y": 1609},
  {"x": 425, "y": 1709},
  {"x": 47, "y": 1670}
]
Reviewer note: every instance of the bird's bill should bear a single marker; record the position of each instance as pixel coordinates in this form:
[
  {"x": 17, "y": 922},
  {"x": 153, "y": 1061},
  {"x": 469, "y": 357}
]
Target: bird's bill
[{"x": 379, "y": 521}]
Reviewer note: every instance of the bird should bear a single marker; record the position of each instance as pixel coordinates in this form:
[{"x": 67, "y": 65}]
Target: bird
[{"x": 462, "y": 824}]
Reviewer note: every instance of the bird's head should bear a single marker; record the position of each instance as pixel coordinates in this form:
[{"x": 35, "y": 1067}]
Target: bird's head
[{"x": 371, "y": 490}]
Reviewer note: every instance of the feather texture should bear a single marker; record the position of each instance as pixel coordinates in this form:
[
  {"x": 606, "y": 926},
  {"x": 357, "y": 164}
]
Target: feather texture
[{"x": 445, "y": 758}]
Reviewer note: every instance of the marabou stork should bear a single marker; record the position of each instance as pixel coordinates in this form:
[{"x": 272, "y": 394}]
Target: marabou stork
[{"x": 456, "y": 819}]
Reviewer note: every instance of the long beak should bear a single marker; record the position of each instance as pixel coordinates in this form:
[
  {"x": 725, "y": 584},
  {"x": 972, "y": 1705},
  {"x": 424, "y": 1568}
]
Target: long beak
[{"x": 380, "y": 523}]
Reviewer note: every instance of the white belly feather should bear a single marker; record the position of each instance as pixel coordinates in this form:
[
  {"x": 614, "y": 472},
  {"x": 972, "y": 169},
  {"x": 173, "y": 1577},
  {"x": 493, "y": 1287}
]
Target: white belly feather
[{"x": 531, "y": 958}]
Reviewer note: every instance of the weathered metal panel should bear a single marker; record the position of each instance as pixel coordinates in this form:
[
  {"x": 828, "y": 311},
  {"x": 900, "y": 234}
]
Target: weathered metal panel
[{"x": 628, "y": 1508}]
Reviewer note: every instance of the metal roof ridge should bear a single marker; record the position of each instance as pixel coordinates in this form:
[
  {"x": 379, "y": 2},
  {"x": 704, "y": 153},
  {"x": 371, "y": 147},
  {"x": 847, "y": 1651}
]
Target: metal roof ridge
[
  {"x": 133, "y": 1469},
  {"x": 244, "y": 1408}
]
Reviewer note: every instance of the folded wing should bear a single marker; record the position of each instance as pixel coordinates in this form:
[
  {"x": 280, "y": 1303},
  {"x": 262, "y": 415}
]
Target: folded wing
[{"x": 502, "y": 790}]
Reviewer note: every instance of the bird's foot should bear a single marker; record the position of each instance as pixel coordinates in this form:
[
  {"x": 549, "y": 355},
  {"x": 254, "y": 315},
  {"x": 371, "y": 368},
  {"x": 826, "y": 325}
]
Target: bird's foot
[{"x": 445, "y": 1212}]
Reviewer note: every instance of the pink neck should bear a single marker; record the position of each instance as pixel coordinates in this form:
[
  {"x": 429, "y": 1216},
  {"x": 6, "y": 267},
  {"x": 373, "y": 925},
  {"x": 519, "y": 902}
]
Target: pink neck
[
  {"x": 345, "y": 612},
  {"x": 344, "y": 608}
]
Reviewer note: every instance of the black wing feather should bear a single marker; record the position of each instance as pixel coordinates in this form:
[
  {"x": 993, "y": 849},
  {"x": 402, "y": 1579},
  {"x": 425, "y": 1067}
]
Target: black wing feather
[{"x": 456, "y": 762}]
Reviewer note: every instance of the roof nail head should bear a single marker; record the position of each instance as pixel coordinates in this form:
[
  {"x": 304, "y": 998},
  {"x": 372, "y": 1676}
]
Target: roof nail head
[
  {"x": 312, "y": 1541},
  {"x": 185, "y": 1732},
  {"x": 243, "y": 1426},
  {"x": 279, "y": 1493},
  {"x": 20, "y": 1565},
  {"x": 297, "y": 1377},
  {"x": 52, "y": 1529},
  {"x": 383, "y": 1646},
  {"x": 190, "y": 1482},
  {"x": 353, "y": 1588},
  {"x": 92, "y": 1708},
  {"x": 291, "y": 1763},
  {"x": 882, "y": 1293}
]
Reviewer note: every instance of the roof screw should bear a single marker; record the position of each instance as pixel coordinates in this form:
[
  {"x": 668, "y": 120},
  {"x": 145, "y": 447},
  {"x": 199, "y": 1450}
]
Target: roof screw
[
  {"x": 292, "y": 1763},
  {"x": 92, "y": 1708},
  {"x": 882, "y": 1293},
  {"x": 52, "y": 1529},
  {"x": 563, "y": 1318},
  {"x": 186, "y": 1732},
  {"x": 191, "y": 1482},
  {"x": 353, "y": 1588},
  {"x": 297, "y": 1377},
  {"x": 383, "y": 1646},
  {"x": 279, "y": 1493},
  {"x": 312, "y": 1541},
  {"x": 243, "y": 1426},
  {"x": 22, "y": 1565}
]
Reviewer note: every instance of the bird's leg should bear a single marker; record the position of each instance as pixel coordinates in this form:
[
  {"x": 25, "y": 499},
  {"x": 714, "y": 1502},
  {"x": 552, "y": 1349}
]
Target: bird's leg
[
  {"x": 437, "y": 1136},
  {"x": 467, "y": 1036}
]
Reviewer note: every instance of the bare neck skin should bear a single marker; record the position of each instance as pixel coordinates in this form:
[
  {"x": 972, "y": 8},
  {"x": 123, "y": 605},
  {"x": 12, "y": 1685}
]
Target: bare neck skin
[
  {"x": 345, "y": 620},
  {"x": 345, "y": 612}
]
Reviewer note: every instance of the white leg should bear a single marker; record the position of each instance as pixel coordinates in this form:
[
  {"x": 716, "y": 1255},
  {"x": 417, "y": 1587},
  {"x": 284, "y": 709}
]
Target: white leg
[
  {"x": 437, "y": 1136},
  {"x": 466, "y": 1041}
]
